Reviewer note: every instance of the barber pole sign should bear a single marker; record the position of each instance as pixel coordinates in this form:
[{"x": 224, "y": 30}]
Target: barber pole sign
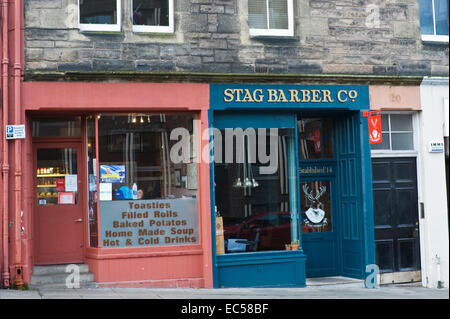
[{"x": 374, "y": 119}]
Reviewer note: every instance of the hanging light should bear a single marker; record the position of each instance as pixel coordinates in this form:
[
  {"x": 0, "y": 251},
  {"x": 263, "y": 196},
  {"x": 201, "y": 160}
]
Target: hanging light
[
  {"x": 142, "y": 119},
  {"x": 247, "y": 182},
  {"x": 254, "y": 183},
  {"x": 133, "y": 120},
  {"x": 237, "y": 183}
]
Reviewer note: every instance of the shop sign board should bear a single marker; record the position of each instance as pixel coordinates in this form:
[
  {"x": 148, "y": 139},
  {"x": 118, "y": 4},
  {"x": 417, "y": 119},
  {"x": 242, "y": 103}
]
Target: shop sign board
[
  {"x": 350, "y": 97},
  {"x": 140, "y": 223},
  {"x": 15, "y": 131}
]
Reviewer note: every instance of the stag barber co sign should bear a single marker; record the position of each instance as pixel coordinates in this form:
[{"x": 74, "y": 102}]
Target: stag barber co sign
[
  {"x": 140, "y": 223},
  {"x": 351, "y": 97}
]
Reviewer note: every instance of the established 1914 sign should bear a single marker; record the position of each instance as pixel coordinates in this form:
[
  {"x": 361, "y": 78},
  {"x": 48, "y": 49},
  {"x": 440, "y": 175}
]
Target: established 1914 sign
[{"x": 138, "y": 223}]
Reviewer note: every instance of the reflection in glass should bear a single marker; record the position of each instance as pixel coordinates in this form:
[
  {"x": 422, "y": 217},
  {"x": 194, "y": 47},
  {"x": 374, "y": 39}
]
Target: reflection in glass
[
  {"x": 57, "y": 127},
  {"x": 98, "y": 12},
  {"x": 315, "y": 206},
  {"x": 151, "y": 12},
  {"x": 255, "y": 206},
  {"x": 426, "y": 16},
  {"x": 315, "y": 138},
  {"x": 135, "y": 159},
  {"x": 92, "y": 181}
]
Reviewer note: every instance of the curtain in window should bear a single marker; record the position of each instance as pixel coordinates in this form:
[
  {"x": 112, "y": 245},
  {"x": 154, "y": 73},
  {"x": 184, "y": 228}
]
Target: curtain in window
[
  {"x": 257, "y": 14},
  {"x": 268, "y": 14},
  {"x": 278, "y": 17}
]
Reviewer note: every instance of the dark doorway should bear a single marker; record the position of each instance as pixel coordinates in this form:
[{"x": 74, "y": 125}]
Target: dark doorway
[{"x": 396, "y": 214}]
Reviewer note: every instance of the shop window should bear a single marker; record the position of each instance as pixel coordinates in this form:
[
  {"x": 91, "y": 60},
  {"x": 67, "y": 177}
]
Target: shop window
[
  {"x": 153, "y": 16},
  {"x": 254, "y": 204},
  {"x": 397, "y": 133},
  {"x": 57, "y": 127},
  {"x": 434, "y": 20},
  {"x": 104, "y": 15},
  {"x": 147, "y": 191},
  {"x": 92, "y": 181},
  {"x": 271, "y": 17},
  {"x": 315, "y": 138}
]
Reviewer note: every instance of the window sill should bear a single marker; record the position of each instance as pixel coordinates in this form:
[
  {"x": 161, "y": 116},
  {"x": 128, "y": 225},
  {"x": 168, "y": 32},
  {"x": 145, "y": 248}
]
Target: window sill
[
  {"x": 153, "y": 30},
  {"x": 438, "y": 39},
  {"x": 95, "y": 28},
  {"x": 274, "y": 33}
]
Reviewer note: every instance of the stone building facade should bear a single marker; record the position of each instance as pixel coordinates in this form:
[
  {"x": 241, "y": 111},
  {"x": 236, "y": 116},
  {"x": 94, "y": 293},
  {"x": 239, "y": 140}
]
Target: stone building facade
[{"x": 212, "y": 36}]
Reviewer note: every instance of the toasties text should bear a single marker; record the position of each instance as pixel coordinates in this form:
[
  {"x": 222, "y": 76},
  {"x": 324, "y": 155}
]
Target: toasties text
[{"x": 288, "y": 95}]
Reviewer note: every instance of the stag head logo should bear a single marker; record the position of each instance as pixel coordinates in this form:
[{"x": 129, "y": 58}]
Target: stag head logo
[{"x": 315, "y": 213}]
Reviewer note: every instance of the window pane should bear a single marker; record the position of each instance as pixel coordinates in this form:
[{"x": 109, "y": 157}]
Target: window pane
[
  {"x": 57, "y": 176},
  {"x": 257, "y": 14},
  {"x": 92, "y": 181},
  {"x": 147, "y": 194},
  {"x": 315, "y": 206},
  {"x": 426, "y": 16},
  {"x": 55, "y": 126},
  {"x": 151, "y": 12},
  {"x": 98, "y": 11},
  {"x": 278, "y": 15},
  {"x": 384, "y": 122},
  {"x": 402, "y": 141},
  {"x": 315, "y": 138},
  {"x": 255, "y": 207},
  {"x": 384, "y": 145},
  {"x": 401, "y": 122},
  {"x": 441, "y": 14}
]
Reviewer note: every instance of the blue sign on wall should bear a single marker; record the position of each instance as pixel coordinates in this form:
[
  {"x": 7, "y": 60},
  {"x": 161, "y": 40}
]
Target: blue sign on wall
[{"x": 254, "y": 96}]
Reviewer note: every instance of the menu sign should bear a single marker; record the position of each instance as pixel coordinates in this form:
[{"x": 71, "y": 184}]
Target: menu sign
[{"x": 137, "y": 223}]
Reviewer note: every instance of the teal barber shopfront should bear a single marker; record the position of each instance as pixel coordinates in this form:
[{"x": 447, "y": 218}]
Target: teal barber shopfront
[{"x": 291, "y": 193}]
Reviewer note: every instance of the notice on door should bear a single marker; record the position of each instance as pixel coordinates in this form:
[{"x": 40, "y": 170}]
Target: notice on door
[{"x": 138, "y": 223}]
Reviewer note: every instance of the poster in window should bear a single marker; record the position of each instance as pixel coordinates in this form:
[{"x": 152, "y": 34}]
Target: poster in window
[
  {"x": 66, "y": 198},
  {"x": 112, "y": 173}
]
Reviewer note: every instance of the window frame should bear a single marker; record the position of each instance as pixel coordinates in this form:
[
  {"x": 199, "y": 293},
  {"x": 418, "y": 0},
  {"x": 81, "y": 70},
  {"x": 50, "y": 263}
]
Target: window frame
[
  {"x": 390, "y": 151},
  {"x": 102, "y": 27},
  {"x": 155, "y": 29},
  {"x": 289, "y": 32},
  {"x": 434, "y": 37}
]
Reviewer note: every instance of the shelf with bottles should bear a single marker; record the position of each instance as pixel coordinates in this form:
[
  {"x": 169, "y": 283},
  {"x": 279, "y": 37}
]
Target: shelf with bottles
[{"x": 51, "y": 172}]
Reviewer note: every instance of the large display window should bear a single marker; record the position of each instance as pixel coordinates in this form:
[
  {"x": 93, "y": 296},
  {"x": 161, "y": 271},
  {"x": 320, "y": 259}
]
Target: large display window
[
  {"x": 253, "y": 202},
  {"x": 144, "y": 177}
]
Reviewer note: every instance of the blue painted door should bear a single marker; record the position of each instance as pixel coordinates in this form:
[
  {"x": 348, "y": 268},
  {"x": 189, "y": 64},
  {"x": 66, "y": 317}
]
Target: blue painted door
[{"x": 318, "y": 209}]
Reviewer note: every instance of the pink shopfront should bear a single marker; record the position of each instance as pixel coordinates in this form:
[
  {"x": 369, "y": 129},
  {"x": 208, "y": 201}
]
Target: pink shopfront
[{"x": 115, "y": 181}]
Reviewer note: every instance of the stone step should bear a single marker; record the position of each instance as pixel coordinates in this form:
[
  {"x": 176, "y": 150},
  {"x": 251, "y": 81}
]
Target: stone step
[
  {"x": 58, "y": 269},
  {"x": 55, "y": 276}
]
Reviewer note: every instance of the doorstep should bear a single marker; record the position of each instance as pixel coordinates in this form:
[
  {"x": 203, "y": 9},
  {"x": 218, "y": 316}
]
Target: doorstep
[{"x": 337, "y": 280}]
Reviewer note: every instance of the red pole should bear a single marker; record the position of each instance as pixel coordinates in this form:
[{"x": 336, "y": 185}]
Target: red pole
[{"x": 5, "y": 164}]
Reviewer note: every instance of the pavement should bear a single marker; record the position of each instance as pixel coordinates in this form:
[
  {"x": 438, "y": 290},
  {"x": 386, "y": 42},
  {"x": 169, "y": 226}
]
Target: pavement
[{"x": 332, "y": 288}]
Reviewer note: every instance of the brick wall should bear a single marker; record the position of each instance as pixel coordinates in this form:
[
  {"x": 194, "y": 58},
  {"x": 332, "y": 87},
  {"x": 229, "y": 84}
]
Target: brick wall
[{"x": 331, "y": 37}]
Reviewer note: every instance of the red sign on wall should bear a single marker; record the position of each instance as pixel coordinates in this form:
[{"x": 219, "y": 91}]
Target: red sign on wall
[{"x": 375, "y": 135}]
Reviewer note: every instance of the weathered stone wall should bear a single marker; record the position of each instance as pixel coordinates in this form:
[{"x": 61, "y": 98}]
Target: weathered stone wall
[{"x": 331, "y": 37}]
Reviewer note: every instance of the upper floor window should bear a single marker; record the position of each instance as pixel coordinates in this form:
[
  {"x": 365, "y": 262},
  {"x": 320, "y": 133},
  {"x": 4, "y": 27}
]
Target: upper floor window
[
  {"x": 153, "y": 16},
  {"x": 271, "y": 17},
  {"x": 434, "y": 20},
  {"x": 397, "y": 132},
  {"x": 99, "y": 15}
]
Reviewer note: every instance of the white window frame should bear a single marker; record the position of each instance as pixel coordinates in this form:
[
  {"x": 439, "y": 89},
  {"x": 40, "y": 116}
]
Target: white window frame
[
  {"x": 289, "y": 32},
  {"x": 102, "y": 27},
  {"x": 155, "y": 28},
  {"x": 400, "y": 153},
  {"x": 434, "y": 37}
]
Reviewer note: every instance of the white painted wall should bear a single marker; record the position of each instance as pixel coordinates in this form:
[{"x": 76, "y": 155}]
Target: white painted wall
[{"x": 434, "y": 239}]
